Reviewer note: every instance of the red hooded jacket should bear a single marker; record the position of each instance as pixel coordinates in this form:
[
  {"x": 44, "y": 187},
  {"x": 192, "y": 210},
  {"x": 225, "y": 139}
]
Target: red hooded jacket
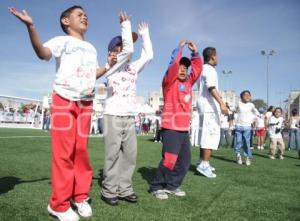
[{"x": 178, "y": 94}]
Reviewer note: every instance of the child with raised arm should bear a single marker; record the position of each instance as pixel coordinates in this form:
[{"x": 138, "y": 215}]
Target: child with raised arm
[
  {"x": 177, "y": 91},
  {"x": 71, "y": 108},
  {"x": 120, "y": 111},
  {"x": 276, "y": 124}
]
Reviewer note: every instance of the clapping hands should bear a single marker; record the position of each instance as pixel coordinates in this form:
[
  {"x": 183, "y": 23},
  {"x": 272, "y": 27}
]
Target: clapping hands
[{"x": 191, "y": 45}]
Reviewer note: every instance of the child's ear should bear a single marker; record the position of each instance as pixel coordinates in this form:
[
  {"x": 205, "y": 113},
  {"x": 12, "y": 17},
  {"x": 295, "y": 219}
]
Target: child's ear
[{"x": 65, "y": 21}]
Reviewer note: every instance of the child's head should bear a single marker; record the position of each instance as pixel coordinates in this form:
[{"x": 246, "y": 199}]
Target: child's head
[
  {"x": 74, "y": 19},
  {"x": 245, "y": 96},
  {"x": 270, "y": 109},
  {"x": 184, "y": 64},
  {"x": 210, "y": 56},
  {"x": 294, "y": 112},
  {"x": 115, "y": 47},
  {"x": 277, "y": 112}
]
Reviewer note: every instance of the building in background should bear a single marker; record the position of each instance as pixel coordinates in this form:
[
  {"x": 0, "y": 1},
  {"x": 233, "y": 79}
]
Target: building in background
[
  {"x": 293, "y": 102},
  {"x": 230, "y": 97},
  {"x": 156, "y": 100}
]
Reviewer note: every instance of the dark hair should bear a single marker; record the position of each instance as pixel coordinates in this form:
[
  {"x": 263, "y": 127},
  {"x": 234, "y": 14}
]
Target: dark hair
[
  {"x": 294, "y": 112},
  {"x": 270, "y": 108},
  {"x": 66, "y": 13},
  {"x": 208, "y": 53},
  {"x": 244, "y": 92},
  {"x": 277, "y": 108}
]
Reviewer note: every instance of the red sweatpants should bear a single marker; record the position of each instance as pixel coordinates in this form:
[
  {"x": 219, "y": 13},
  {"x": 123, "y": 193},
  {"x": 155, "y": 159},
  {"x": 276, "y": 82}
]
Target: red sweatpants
[{"x": 71, "y": 172}]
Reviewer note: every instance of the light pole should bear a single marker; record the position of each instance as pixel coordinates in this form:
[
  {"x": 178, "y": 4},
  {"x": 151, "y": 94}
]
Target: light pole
[
  {"x": 268, "y": 54},
  {"x": 227, "y": 73}
]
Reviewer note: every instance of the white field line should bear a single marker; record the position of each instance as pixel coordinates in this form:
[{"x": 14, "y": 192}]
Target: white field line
[{"x": 13, "y": 137}]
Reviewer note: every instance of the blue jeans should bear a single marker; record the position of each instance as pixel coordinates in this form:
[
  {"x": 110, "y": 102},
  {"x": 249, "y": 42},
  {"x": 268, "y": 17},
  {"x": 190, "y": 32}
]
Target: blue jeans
[
  {"x": 294, "y": 134},
  {"x": 242, "y": 139}
]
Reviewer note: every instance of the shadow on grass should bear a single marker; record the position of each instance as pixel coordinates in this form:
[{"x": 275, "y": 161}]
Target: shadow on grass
[
  {"x": 223, "y": 158},
  {"x": 8, "y": 183},
  {"x": 286, "y": 156},
  {"x": 260, "y": 155},
  {"x": 148, "y": 173},
  {"x": 99, "y": 178}
]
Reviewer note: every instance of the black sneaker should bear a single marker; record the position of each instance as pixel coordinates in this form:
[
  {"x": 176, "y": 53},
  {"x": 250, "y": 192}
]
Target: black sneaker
[
  {"x": 110, "y": 201},
  {"x": 133, "y": 198}
]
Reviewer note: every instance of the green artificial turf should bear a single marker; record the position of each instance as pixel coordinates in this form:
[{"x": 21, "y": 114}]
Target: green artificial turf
[{"x": 266, "y": 190}]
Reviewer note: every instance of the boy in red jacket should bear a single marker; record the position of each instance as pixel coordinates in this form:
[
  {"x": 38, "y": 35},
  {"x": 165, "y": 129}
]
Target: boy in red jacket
[{"x": 177, "y": 91}]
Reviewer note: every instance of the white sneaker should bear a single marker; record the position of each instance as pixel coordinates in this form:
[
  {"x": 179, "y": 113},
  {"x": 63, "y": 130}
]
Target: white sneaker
[
  {"x": 176, "y": 192},
  {"x": 160, "y": 194},
  {"x": 272, "y": 157},
  {"x": 84, "y": 209},
  {"x": 239, "y": 159},
  {"x": 248, "y": 161},
  {"x": 69, "y": 215},
  {"x": 281, "y": 157},
  {"x": 211, "y": 167},
  {"x": 262, "y": 147},
  {"x": 206, "y": 171},
  {"x": 259, "y": 147}
]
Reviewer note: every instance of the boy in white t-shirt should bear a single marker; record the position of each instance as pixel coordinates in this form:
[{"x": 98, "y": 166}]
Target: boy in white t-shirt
[
  {"x": 210, "y": 106},
  {"x": 275, "y": 129},
  {"x": 71, "y": 108},
  {"x": 246, "y": 112},
  {"x": 120, "y": 111}
]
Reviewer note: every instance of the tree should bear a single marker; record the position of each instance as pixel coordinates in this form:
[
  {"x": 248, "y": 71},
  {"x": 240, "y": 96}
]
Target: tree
[{"x": 259, "y": 103}]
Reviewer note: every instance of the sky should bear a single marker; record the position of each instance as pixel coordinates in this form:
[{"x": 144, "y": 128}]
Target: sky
[{"x": 239, "y": 30}]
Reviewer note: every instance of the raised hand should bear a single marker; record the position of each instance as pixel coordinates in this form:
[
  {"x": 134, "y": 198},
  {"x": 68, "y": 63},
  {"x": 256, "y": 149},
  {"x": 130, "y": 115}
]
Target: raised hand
[
  {"x": 143, "y": 27},
  {"x": 192, "y": 46},
  {"x": 23, "y": 16},
  {"x": 124, "y": 17},
  {"x": 182, "y": 43}
]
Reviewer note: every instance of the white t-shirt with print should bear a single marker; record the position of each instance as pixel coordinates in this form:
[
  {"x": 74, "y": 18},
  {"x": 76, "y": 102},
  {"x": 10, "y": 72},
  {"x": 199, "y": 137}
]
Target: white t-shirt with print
[
  {"x": 206, "y": 102},
  {"x": 122, "y": 77},
  {"x": 246, "y": 113},
  {"x": 275, "y": 124},
  {"x": 76, "y": 64}
]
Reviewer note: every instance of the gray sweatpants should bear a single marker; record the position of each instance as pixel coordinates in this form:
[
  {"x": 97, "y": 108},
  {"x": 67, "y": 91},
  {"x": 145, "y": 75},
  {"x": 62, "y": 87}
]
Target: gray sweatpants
[{"x": 120, "y": 155}]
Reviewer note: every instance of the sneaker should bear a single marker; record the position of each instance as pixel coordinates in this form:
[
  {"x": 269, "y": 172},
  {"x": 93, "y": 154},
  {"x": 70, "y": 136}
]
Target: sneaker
[
  {"x": 272, "y": 157},
  {"x": 258, "y": 147},
  {"x": 160, "y": 194},
  {"x": 281, "y": 157},
  {"x": 176, "y": 192},
  {"x": 206, "y": 171},
  {"x": 68, "y": 215},
  {"x": 239, "y": 159},
  {"x": 251, "y": 148},
  {"x": 211, "y": 167},
  {"x": 84, "y": 209},
  {"x": 262, "y": 147},
  {"x": 248, "y": 161}
]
